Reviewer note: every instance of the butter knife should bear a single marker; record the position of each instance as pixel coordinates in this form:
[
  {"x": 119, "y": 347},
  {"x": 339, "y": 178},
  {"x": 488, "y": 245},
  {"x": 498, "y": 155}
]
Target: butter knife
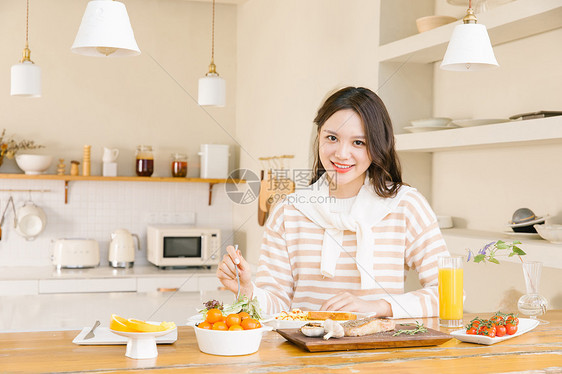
[{"x": 91, "y": 334}]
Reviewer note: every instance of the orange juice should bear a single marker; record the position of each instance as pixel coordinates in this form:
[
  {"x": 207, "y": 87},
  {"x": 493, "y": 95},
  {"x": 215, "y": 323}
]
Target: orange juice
[{"x": 450, "y": 293}]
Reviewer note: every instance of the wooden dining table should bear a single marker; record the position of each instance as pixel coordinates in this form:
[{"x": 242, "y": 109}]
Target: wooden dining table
[{"x": 537, "y": 351}]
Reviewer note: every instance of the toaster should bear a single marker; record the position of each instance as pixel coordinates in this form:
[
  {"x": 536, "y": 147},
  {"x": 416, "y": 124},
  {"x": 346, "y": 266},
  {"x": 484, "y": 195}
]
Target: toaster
[{"x": 75, "y": 253}]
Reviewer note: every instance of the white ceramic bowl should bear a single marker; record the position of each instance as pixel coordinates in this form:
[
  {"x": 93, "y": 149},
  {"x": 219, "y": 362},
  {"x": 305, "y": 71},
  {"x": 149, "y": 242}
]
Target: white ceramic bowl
[
  {"x": 552, "y": 233},
  {"x": 229, "y": 343},
  {"x": 431, "y": 122},
  {"x": 34, "y": 164}
]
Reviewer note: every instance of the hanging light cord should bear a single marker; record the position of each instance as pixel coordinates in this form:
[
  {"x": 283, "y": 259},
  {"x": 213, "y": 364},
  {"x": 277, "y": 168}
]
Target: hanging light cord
[
  {"x": 26, "y": 55},
  {"x": 212, "y": 66}
]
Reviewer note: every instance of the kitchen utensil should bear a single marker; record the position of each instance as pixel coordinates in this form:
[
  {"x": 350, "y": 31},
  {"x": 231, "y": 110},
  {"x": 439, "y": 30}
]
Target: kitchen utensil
[
  {"x": 477, "y": 122},
  {"x": 90, "y": 333},
  {"x": 110, "y": 155},
  {"x": 552, "y": 233},
  {"x": 214, "y": 160},
  {"x": 237, "y": 275},
  {"x": 75, "y": 253},
  {"x": 262, "y": 214},
  {"x": 430, "y": 22},
  {"x": 10, "y": 202},
  {"x": 380, "y": 340},
  {"x": 450, "y": 291},
  {"x": 104, "y": 336},
  {"x": 228, "y": 343},
  {"x": 142, "y": 344},
  {"x": 540, "y": 114},
  {"x": 33, "y": 164},
  {"x": 122, "y": 249},
  {"x": 525, "y": 325},
  {"x": 31, "y": 220}
]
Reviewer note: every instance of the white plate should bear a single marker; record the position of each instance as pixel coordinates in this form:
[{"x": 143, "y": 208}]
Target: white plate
[
  {"x": 431, "y": 122},
  {"x": 477, "y": 122},
  {"x": 289, "y": 324},
  {"x": 527, "y": 223},
  {"x": 525, "y": 325},
  {"x": 522, "y": 235},
  {"x": 428, "y": 128},
  {"x": 104, "y": 336}
]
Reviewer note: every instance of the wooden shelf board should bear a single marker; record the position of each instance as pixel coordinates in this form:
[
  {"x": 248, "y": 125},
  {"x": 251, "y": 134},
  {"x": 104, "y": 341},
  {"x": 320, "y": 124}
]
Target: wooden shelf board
[
  {"x": 119, "y": 179},
  {"x": 531, "y": 131},
  {"x": 505, "y": 23}
]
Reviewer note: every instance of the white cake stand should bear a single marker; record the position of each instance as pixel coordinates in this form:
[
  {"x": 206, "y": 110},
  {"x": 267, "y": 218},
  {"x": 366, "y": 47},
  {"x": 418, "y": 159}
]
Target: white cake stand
[{"x": 142, "y": 344}]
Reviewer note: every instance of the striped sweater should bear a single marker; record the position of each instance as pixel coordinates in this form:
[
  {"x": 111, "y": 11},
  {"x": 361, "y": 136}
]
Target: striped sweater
[{"x": 407, "y": 238}]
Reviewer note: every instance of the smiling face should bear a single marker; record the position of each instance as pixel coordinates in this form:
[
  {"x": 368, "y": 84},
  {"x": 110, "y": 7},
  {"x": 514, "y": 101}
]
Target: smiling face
[{"x": 343, "y": 152}]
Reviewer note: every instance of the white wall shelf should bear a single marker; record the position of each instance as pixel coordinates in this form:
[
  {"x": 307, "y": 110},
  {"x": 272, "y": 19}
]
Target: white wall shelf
[
  {"x": 533, "y": 131},
  {"x": 459, "y": 240},
  {"x": 512, "y": 21}
]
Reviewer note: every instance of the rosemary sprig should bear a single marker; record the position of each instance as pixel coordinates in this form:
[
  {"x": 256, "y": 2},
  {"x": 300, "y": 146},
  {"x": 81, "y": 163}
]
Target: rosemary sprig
[{"x": 420, "y": 328}]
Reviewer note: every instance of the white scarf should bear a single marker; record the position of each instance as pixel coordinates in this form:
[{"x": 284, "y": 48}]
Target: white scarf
[{"x": 367, "y": 210}]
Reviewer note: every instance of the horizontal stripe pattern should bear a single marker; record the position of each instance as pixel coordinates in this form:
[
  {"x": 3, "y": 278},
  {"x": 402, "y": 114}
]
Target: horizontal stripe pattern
[{"x": 407, "y": 238}]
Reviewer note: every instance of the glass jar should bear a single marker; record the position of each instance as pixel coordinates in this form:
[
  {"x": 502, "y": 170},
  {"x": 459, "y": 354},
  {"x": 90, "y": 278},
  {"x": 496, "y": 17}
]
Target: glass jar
[
  {"x": 179, "y": 165},
  {"x": 145, "y": 161}
]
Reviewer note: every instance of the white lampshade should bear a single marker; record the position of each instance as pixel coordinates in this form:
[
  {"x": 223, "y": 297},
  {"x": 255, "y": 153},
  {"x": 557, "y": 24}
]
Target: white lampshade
[
  {"x": 469, "y": 49},
  {"x": 212, "y": 90},
  {"x": 26, "y": 79},
  {"x": 105, "y": 31}
]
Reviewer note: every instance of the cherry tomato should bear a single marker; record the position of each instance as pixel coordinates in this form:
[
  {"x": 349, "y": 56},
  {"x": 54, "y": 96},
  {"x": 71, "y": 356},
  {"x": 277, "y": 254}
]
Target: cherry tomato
[
  {"x": 220, "y": 326},
  {"x": 213, "y": 315},
  {"x": 233, "y": 319},
  {"x": 244, "y": 315},
  {"x": 501, "y": 330},
  {"x": 249, "y": 324},
  {"x": 471, "y": 331},
  {"x": 474, "y": 323},
  {"x": 487, "y": 330},
  {"x": 205, "y": 325},
  {"x": 235, "y": 328},
  {"x": 512, "y": 320},
  {"x": 497, "y": 319},
  {"x": 510, "y": 328}
]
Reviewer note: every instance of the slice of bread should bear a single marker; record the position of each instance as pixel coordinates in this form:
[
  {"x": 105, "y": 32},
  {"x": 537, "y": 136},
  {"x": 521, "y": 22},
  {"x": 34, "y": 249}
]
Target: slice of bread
[{"x": 336, "y": 316}]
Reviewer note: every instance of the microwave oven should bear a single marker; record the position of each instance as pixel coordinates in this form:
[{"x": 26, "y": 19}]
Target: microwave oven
[{"x": 181, "y": 245}]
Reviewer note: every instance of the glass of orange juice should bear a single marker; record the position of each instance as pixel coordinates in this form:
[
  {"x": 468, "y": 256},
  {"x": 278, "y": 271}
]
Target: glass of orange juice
[{"x": 450, "y": 291}]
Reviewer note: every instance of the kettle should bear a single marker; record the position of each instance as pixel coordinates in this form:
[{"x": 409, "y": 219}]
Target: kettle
[{"x": 122, "y": 249}]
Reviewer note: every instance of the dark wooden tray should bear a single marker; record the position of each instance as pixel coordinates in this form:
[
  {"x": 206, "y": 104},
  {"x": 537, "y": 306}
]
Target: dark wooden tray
[{"x": 379, "y": 340}]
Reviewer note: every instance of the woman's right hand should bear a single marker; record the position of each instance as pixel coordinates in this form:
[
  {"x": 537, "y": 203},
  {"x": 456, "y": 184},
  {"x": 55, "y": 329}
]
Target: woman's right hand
[{"x": 227, "y": 273}]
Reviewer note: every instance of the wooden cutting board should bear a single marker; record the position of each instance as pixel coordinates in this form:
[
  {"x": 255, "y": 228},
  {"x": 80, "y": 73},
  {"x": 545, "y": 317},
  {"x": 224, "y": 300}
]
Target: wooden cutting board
[{"x": 379, "y": 340}]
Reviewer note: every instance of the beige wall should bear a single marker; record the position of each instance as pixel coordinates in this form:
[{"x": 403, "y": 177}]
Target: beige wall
[
  {"x": 287, "y": 62},
  {"x": 120, "y": 102}
]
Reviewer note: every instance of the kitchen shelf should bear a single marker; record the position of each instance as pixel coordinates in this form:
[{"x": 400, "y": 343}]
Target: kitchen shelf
[
  {"x": 505, "y": 23},
  {"x": 533, "y": 131},
  {"x": 69, "y": 178},
  {"x": 459, "y": 240}
]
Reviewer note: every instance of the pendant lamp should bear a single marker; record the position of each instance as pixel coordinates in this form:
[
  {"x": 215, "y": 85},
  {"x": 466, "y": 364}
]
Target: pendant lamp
[
  {"x": 26, "y": 76},
  {"x": 212, "y": 88},
  {"x": 105, "y": 31},
  {"x": 469, "y": 48}
]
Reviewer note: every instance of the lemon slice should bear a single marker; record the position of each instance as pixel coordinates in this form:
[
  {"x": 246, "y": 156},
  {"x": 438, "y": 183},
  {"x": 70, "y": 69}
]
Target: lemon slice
[{"x": 134, "y": 325}]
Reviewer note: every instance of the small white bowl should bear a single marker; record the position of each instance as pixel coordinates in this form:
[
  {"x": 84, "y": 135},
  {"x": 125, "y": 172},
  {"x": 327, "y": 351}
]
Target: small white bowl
[
  {"x": 552, "y": 233},
  {"x": 34, "y": 164},
  {"x": 431, "y": 122},
  {"x": 229, "y": 343}
]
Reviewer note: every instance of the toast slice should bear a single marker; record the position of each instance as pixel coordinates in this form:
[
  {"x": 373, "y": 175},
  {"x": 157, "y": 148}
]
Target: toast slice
[
  {"x": 367, "y": 326},
  {"x": 336, "y": 316}
]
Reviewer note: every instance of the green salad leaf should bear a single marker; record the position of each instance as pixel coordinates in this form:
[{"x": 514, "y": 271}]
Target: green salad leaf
[{"x": 243, "y": 304}]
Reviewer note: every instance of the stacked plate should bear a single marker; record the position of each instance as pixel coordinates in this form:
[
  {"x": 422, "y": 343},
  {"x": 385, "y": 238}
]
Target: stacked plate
[
  {"x": 430, "y": 124},
  {"x": 478, "y": 122}
]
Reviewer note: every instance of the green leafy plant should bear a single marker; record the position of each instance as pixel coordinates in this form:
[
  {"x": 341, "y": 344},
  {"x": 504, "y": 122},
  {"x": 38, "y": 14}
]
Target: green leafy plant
[
  {"x": 243, "y": 304},
  {"x": 420, "y": 328},
  {"x": 489, "y": 252}
]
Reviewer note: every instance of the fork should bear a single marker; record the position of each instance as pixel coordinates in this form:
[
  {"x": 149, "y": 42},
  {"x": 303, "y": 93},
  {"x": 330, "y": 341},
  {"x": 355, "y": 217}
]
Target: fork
[
  {"x": 90, "y": 334},
  {"x": 237, "y": 275}
]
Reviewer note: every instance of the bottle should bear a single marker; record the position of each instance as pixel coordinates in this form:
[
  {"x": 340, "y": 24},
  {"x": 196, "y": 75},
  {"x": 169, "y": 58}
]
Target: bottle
[
  {"x": 145, "y": 161},
  {"x": 179, "y": 165}
]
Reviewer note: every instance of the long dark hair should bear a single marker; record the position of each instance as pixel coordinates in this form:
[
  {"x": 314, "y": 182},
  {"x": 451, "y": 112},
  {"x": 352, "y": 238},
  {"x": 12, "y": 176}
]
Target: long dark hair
[{"x": 384, "y": 171}]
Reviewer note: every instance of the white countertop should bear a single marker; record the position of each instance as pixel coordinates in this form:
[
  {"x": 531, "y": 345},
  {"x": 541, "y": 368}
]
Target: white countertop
[{"x": 50, "y": 272}]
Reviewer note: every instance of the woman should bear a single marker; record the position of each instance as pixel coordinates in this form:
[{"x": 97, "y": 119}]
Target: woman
[{"x": 346, "y": 241}]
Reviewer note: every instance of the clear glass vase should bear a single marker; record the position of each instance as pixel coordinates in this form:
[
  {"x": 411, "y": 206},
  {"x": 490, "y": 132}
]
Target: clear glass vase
[{"x": 532, "y": 304}]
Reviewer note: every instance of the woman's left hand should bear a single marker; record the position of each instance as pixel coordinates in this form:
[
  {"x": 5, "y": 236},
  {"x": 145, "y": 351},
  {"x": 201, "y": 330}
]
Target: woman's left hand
[{"x": 350, "y": 303}]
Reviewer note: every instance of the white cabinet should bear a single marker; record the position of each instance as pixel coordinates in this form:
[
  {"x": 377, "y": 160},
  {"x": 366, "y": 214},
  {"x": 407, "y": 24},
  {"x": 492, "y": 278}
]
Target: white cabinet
[
  {"x": 47, "y": 286},
  {"x": 19, "y": 287},
  {"x": 187, "y": 283}
]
